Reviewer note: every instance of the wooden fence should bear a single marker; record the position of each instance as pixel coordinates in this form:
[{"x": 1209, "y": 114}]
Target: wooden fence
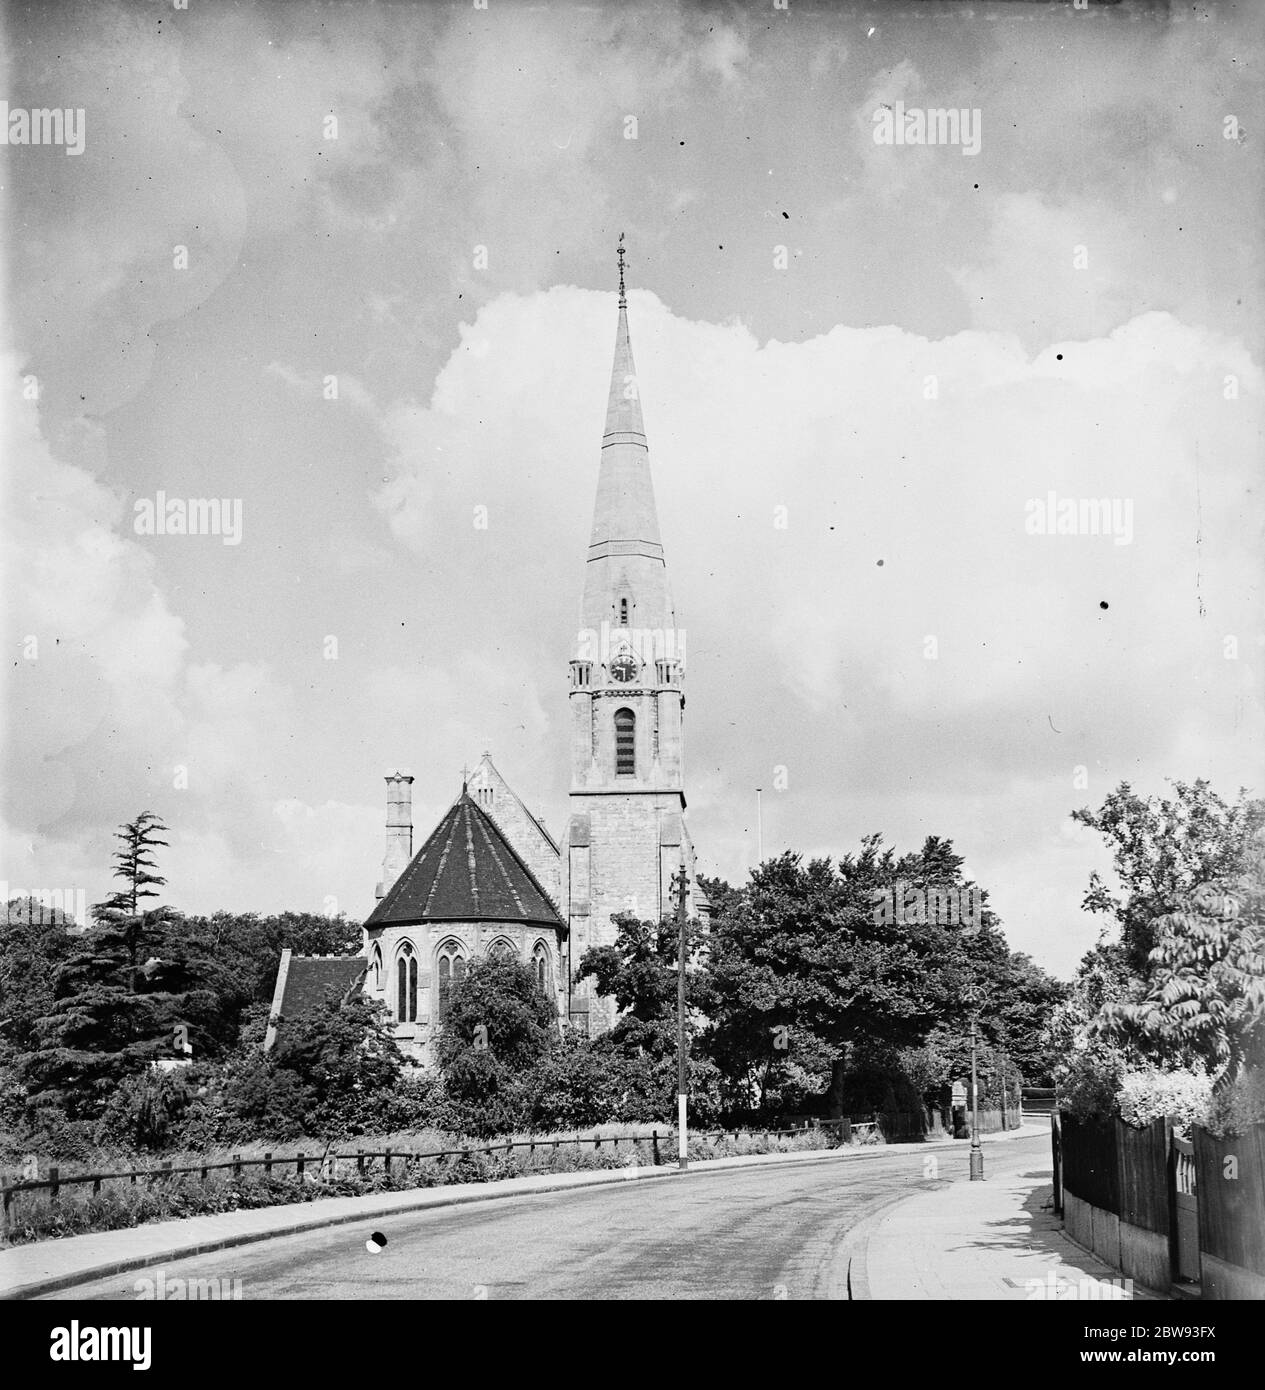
[
  {"x": 1163, "y": 1209},
  {"x": 1230, "y": 1184},
  {"x": 330, "y": 1164}
]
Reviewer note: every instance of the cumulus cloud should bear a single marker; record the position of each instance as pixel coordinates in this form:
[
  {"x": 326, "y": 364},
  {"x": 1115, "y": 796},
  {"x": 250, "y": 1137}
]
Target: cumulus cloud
[
  {"x": 954, "y": 688},
  {"x": 846, "y": 528}
]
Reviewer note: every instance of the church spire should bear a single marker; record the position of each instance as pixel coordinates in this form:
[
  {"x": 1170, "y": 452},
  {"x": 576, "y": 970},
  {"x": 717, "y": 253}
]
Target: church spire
[{"x": 625, "y": 521}]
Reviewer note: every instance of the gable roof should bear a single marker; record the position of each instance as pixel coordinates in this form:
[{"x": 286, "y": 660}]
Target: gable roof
[
  {"x": 304, "y": 982},
  {"x": 488, "y": 773},
  {"x": 467, "y": 871}
]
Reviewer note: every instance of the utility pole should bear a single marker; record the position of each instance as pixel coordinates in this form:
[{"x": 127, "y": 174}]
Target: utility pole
[
  {"x": 977, "y": 1154},
  {"x": 682, "y": 1138}
]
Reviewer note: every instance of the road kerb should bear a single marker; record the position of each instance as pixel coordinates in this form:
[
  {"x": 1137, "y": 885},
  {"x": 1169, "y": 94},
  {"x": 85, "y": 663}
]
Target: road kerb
[{"x": 377, "y": 1205}]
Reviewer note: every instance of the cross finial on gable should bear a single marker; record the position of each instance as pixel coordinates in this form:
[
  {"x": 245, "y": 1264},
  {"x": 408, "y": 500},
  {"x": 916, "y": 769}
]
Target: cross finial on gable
[{"x": 465, "y": 777}]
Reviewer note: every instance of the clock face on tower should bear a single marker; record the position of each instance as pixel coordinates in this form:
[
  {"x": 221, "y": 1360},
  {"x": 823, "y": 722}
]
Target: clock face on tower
[{"x": 624, "y": 667}]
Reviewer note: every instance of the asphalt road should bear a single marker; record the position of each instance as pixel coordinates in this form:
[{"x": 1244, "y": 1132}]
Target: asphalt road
[{"x": 779, "y": 1231}]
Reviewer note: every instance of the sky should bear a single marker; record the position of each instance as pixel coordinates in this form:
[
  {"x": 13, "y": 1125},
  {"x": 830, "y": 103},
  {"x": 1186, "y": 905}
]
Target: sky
[{"x": 351, "y": 268}]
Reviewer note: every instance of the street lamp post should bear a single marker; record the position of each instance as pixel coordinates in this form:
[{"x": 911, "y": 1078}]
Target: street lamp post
[
  {"x": 1005, "y": 1091},
  {"x": 977, "y": 1154},
  {"x": 682, "y": 1139}
]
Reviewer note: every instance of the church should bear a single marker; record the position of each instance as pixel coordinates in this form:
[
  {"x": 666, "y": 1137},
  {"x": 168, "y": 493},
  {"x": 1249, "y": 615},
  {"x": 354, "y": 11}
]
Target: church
[{"x": 490, "y": 878}]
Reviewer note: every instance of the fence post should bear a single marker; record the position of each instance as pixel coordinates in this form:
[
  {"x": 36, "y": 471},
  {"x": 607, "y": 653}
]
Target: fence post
[
  {"x": 597, "y": 1143},
  {"x": 166, "y": 1166},
  {"x": 203, "y": 1173},
  {"x": 237, "y": 1165},
  {"x": 654, "y": 1145},
  {"x": 386, "y": 1162},
  {"x": 55, "y": 1187},
  {"x": 96, "y": 1187},
  {"x": 298, "y": 1165},
  {"x": 268, "y": 1164},
  {"x": 4, "y": 1219},
  {"x": 360, "y": 1163}
]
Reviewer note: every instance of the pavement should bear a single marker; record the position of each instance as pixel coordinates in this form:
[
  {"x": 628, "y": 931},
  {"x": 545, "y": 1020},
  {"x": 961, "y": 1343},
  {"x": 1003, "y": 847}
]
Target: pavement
[
  {"x": 916, "y": 1237},
  {"x": 995, "y": 1239}
]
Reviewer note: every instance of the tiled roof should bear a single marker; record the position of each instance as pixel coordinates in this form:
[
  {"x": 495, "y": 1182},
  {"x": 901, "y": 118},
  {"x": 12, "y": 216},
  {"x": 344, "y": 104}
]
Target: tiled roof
[
  {"x": 310, "y": 979},
  {"x": 466, "y": 871}
]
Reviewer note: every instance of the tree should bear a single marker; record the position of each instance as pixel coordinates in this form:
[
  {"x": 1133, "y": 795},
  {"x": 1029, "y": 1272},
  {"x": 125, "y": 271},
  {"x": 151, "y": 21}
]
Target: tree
[
  {"x": 498, "y": 1023},
  {"x": 1203, "y": 1003},
  {"x": 130, "y": 990},
  {"x": 31, "y": 952},
  {"x": 249, "y": 945},
  {"x": 1188, "y": 984},
  {"x": 1162, "y": 848},
  {"x": 344, "y": 1059},
  {"x": 812, "y": 961},
  {"x": 809, "y": 969},
  {"x": 135, "y": 865},
  {"x": 639, "y": 971}
]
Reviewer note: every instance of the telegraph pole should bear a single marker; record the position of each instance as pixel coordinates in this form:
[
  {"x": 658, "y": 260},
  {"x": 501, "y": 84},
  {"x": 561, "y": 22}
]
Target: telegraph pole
[{"x": 682, "y": 1161}]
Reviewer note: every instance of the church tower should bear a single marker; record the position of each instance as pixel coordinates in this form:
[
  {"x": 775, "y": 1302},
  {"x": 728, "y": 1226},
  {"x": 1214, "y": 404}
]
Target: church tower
[{"x": 626, "y": 835}]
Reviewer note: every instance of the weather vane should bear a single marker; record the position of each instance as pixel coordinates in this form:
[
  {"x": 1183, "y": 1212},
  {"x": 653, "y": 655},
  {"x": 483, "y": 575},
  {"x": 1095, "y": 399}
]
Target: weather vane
[{"x": 623, "y": 302}]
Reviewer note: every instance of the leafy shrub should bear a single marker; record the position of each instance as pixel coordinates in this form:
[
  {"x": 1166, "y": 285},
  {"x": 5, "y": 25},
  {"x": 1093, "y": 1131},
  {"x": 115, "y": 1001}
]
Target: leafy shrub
[
  {"x": 53, "y": 1135},
  {"x": 1089, "y": 1082},
  {"x": 1149, "y": 1094},
  {"x": 1239, "y": 1106},
  {"x": 263, "y": 1099},
  {"x": 146, "y": 1110}
]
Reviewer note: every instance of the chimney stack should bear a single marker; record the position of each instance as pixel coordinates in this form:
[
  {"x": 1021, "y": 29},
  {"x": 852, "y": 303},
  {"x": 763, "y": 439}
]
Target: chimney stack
[{"x": 399, "y": 827}]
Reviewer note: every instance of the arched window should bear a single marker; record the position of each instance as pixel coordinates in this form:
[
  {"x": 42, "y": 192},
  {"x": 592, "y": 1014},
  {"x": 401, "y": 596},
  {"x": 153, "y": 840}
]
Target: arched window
[
  {"x": 540, "y": 964},
  {"x": 449, "y": 967},
  {"x": 406, "y": 985},
  {"x": 623, "y": 612},
  {"x": 502, "y": 950},
  {"x": 625, "y": 743},
  {"x": 375, "y": 969}
]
